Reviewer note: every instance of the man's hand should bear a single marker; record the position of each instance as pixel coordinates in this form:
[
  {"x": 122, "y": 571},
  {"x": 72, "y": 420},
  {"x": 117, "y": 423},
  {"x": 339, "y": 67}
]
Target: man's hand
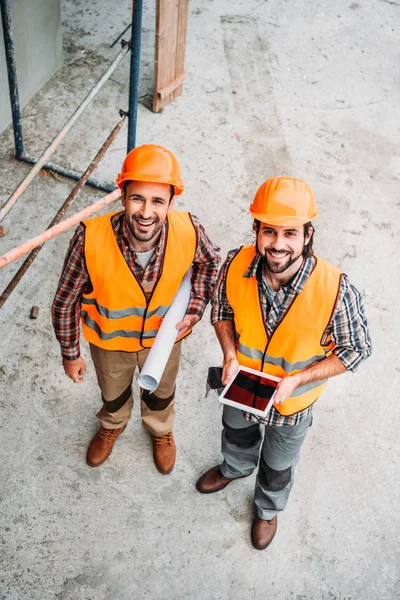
[
  {"x": 188, "y": 322},
  {"x": 225, "y": 331},
  {"x": 285, "y": 388},
  {"x": 75, "y": 369},
  {"x": 231, "y": 367},
  {"x": 319, "y": 371}
]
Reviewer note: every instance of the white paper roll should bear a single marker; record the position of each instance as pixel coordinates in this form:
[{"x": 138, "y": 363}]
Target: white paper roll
[{"x": 153, "y": 368}]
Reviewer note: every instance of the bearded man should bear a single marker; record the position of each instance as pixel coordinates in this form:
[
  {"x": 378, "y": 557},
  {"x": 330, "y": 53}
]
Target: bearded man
[
  {"x": 280, "y": 309},
  {"x": 120, "y": 276}
]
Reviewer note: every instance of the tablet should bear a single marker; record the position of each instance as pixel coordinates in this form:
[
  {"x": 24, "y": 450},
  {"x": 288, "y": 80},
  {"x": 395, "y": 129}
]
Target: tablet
[{"x": 250, "y": 390}]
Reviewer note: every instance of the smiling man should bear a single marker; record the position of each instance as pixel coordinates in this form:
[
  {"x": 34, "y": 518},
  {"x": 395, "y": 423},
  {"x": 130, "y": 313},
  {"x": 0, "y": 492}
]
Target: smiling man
[
  {"x": 279, "y": 309},
  {"x": 120, "y": 275}
]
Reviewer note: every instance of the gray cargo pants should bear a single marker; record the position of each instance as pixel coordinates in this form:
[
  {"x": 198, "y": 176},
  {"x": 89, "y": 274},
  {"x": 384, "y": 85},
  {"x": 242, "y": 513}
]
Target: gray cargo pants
[{"x": 241, "y": 442}]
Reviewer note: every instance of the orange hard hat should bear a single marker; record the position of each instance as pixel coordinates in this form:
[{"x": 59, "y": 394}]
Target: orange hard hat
[
  {"x": 151, "y": 163},
  {"x": 284, "y": 201}
]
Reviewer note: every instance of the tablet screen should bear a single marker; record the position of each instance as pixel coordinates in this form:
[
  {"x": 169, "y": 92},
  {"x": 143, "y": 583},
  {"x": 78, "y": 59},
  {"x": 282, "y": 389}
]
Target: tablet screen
[{"x": 251, "y": 390}]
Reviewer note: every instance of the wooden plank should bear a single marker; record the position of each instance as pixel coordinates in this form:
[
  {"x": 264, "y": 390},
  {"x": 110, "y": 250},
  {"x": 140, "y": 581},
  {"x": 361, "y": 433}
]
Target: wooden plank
[
  {"x": 164, "y": 68},
  {"x": 171, "y": 25},
  {"x": 172, "y": 86}
]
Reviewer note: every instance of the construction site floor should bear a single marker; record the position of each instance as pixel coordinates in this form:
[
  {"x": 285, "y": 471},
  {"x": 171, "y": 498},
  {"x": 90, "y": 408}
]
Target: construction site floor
[{"x": 308, "y": 89}]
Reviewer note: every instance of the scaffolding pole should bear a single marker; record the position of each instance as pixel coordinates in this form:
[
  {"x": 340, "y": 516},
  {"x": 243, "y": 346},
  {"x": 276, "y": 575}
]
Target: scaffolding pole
[
  {"x": 49, "y": 234},
  {"x": 61, "y": 212},
  {"x": 65, "y": 172},
  {"x": 12, "y": 77},
  {"x": 137, "y": 10},
  {"x": 62, "y": 133}
]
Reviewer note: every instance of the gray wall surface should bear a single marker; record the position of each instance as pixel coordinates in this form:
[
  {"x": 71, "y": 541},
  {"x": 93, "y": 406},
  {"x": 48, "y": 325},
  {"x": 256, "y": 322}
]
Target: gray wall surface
[{"x": 38, "y": 48}]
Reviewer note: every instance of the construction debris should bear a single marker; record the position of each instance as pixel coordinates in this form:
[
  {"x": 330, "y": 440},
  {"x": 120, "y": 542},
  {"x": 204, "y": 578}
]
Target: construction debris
[{"x": 34, "y": 312}]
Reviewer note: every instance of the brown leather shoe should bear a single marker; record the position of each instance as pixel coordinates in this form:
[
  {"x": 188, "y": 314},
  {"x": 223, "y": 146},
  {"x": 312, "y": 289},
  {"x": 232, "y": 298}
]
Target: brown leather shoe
[
  {"x": 263, "y": 532},
  {"x": 101, "y": 446},
  {"x": 164, "y": 452},
  {"x": 213, "y": 481}
]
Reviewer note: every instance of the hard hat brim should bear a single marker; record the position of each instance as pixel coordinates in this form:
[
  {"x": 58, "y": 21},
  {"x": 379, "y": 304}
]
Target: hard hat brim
[
  {"x": 132, "y": 176},
  {"x": 282, "y": 220}
]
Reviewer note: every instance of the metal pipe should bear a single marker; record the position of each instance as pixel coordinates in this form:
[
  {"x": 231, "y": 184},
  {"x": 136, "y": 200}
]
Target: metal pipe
[
  {"x": 62, "y": 133},
  {"x": 65, "y": 172},
  {"x": 61, "y": 212},
  {"x": 120, "y": 35},
  {"x": 49, "y": 234},
  {"x": 9, "y": 49},
  {"x": 137, "y": 6}
]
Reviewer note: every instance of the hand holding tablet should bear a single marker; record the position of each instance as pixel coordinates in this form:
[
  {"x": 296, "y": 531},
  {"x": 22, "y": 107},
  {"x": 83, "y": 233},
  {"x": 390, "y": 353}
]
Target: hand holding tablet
[{"x": 250, "y": 390}]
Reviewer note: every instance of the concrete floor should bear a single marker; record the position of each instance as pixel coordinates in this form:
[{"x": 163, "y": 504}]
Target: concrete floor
[{"x": 309, "y": 89}]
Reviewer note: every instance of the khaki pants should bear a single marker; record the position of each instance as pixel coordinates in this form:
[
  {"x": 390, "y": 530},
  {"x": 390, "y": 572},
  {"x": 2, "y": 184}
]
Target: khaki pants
[{"x": 115, "y": 371}]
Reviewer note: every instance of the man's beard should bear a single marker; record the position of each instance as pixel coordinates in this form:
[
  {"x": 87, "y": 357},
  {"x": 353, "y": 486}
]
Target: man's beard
[
  {"x": 143, "y": 236},
  {"x": 279, "y": 267}
]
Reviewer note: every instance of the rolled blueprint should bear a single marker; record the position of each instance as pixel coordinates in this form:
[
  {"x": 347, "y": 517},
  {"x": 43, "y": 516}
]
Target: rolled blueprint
[{"x": 153, "y": 368}]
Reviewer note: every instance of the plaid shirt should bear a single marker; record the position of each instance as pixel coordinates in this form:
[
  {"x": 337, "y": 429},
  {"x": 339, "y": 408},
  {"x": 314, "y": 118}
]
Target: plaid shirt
[
  {"x": 74, "y": 280},
  {"x": 348, "y": 327}
]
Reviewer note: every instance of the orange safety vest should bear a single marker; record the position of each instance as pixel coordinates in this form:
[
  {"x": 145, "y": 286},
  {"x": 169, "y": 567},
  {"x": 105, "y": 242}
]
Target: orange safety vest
[
  {"x": 117, "y": 315},
  {"x": 296, "y": 342}
]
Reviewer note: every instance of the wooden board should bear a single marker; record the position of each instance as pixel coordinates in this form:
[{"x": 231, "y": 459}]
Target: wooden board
[{"x": 171, "y": 25}]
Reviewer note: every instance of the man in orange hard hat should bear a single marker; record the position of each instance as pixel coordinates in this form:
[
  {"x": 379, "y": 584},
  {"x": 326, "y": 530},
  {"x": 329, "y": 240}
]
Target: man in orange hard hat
[
  {"x": 120, "y": 275},
  {"x": 279, "y": 309}
]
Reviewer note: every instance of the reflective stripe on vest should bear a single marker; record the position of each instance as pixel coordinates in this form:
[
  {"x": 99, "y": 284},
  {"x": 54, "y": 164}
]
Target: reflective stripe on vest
[
  {"x": 296, "y": 342},
  {"x": 116, "y": 315},
  {"x": 161, "y": 311}
]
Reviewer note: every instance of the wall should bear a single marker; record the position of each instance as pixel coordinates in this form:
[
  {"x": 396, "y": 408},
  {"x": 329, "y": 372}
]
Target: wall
[{"x": 38, "y": 48}]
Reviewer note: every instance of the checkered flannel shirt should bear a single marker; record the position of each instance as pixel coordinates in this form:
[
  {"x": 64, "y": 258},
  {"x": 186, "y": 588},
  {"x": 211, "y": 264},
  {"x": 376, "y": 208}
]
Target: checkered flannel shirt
[
  {"x": 74, "y": 280},
  {"x": 348, "y": 327}
]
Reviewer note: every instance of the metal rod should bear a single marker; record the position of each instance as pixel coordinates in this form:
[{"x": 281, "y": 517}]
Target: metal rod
[
  {"x": 62, "y": 133},
  {"x": 12, "y": 76},
  {"x": 65, "y": 172},
  {"x": 137, "y": 6},
  {"x": 120, "y": 35},
  {"x": 61, "y": 212},
  {"x": 49, "y": 234}
]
